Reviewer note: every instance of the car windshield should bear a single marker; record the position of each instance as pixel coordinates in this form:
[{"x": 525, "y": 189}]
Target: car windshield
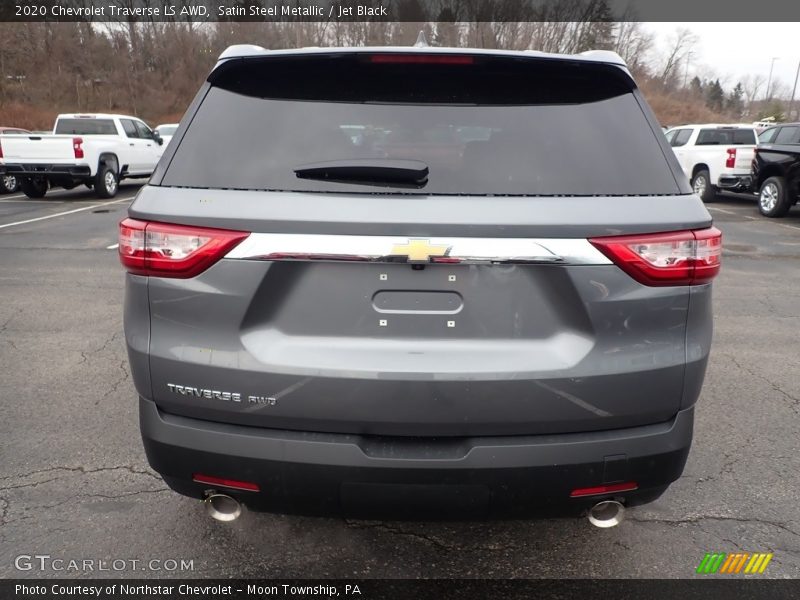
[{"x": 579, "y": 130}]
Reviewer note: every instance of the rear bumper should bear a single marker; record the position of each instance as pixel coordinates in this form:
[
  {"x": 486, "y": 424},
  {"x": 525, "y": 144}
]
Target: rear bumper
[
  {"x": 46, "y": 170},
  {"x": 735, "y": 183},
  {"x": 316, "y": 473}
]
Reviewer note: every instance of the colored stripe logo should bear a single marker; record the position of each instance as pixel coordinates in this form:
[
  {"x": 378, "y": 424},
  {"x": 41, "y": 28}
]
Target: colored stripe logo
[{"x": 737, "y": 562}]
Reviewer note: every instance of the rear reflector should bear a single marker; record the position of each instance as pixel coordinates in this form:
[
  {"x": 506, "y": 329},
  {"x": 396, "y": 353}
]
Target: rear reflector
[
  {"x": 178, "y": 251},
  {"x": 444, "y": 59},
  {"x": 228, "y": 483},
  {"x": 663, "y": 259},
  {"x": 604, "y": 489}
]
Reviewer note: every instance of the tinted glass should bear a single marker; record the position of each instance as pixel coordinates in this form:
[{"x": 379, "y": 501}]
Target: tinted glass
[
  {"x": 787, "y": 135},
  {"x": 728, "y": 137},
  {"x": 167, "y": 130},
  {"x": 681, "y": 137},
  {"x": 767, "y": 136},
  {"x": 86, "y": 127},
  {"x": 143, "y": 130},
  {"x": 578, "y": 131},
  {"x": 130, "y": 128}
]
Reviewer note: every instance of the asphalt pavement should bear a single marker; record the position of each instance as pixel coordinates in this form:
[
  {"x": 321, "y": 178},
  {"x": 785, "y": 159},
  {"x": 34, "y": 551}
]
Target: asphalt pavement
[{"x": 75, "y": 484}]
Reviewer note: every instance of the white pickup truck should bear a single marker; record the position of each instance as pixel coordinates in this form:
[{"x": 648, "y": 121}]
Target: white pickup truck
[
  {"x": 96, "y": 150},
  {"x": 714, "y": 157}
]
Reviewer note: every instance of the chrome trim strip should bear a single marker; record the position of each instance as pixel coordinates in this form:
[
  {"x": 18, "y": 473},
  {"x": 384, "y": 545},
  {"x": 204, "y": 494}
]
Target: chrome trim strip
[{"x": 290, "y": 246}]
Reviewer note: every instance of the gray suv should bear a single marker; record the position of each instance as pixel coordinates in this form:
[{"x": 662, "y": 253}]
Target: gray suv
[{"x": 410, "y": 278}]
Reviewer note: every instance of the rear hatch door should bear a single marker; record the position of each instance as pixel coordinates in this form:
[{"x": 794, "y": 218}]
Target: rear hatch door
[{"x": 470, "y": 303}]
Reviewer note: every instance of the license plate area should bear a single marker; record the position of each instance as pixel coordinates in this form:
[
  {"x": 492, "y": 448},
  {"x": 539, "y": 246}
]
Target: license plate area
[{"x": 346, "y": 300}]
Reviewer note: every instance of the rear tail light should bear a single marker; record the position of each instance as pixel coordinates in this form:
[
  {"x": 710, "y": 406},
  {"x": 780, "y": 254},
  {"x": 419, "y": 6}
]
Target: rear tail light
[
  {"x": 662, "y": 259},
  {"x": 178, "y": 251},
  {"x": 1, "y": 149},
  {"x": 730, "y": 162},
  {"x": 604, "y": 489},
  {"x": 77, "y": 147},
  {"x": 233, "y": 484},
  {"x": 443, "y": 59}
]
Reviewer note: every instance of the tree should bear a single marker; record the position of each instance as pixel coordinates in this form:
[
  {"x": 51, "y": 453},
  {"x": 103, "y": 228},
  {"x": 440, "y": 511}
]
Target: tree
[
  {"x": 633, "y": 44},
  {"x": 734, "y": 103},
  {"x": 681, "y": 45},
  {"x": 446, "y": 30},
  {"x": 751, "y": 84},
  {"x": 775, "y": 109},
  {"x": 715, "y": 96}
]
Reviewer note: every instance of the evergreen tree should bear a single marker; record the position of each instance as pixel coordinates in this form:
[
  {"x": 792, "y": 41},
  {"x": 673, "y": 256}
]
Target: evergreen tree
[
  {"x": 734, "y": 104},
  {"x": 715, "y": 96}
]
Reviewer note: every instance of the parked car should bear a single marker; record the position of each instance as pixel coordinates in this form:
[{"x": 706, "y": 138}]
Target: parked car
[
  {"x": 317, "y": 326},
  {"x": 96, "y": 150},
  {"x": 166, "y": 131},
  {"x": 776, "y": 169},
  {"x": 714, "y": 157},
  {"x": 9, "y": 183}
]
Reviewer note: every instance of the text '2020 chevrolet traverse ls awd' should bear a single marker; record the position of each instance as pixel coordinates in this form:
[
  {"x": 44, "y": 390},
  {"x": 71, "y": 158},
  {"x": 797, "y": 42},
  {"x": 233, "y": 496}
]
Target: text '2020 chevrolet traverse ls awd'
[{"x": 410, "y": 277}]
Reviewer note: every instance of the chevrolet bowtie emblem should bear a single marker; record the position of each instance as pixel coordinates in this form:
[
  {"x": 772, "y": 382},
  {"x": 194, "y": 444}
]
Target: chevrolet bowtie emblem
[{"x": 419, "y": 250}]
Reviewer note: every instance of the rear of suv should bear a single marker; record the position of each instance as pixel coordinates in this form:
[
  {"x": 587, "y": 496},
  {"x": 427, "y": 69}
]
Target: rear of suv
[{"x": 390, "y": 277}]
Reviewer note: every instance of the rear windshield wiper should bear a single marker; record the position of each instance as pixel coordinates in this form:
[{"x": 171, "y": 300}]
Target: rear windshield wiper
[{"x": 368, "y": 171}]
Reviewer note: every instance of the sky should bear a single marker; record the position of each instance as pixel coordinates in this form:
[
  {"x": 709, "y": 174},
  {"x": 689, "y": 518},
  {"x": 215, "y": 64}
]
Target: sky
[{"x": 733, "y": 50}]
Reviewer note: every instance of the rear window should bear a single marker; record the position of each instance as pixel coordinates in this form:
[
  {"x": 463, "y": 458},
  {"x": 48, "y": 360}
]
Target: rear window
[
  {"x": 86, "y": 127},
  {"x": 487, "y": 126},
  {"x": 728, "y": 137}
]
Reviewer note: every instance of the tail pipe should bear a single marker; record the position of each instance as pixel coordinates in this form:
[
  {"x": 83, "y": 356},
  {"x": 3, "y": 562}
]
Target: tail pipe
[
  {"x": 608, "y": 513},
  {"x": 222, "y": 507}
]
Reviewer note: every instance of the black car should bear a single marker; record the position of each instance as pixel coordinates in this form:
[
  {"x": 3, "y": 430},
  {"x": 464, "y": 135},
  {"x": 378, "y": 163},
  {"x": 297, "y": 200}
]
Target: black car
[{"x": 776, "y": 169}]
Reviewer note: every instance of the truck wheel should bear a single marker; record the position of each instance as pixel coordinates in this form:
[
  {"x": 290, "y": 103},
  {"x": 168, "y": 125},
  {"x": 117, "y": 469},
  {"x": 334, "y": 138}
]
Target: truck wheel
[
  {"x": 34, "y": 188},
  {"x": 8, "y": 184},
  {"x": 773, "y": 199},
  {"x": 701, "y": 184},
  {"x": 106, "y": 182}
]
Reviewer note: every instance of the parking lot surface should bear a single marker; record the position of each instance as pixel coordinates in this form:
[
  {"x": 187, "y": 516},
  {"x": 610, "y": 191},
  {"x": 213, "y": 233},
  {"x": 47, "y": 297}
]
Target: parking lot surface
[{"x": 75, "y": 485}]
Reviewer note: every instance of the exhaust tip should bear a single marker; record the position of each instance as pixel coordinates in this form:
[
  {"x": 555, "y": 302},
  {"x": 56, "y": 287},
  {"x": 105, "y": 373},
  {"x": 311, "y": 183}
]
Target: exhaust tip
[
  {"x": 608, "y": 513},
  {"x": 222, "y": 507}
]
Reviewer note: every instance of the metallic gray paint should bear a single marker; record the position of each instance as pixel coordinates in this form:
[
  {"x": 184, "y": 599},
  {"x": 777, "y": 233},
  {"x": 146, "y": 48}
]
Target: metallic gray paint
[
  {"x": 420, "y": 215},
  {"x": 535, "y": 348}
]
